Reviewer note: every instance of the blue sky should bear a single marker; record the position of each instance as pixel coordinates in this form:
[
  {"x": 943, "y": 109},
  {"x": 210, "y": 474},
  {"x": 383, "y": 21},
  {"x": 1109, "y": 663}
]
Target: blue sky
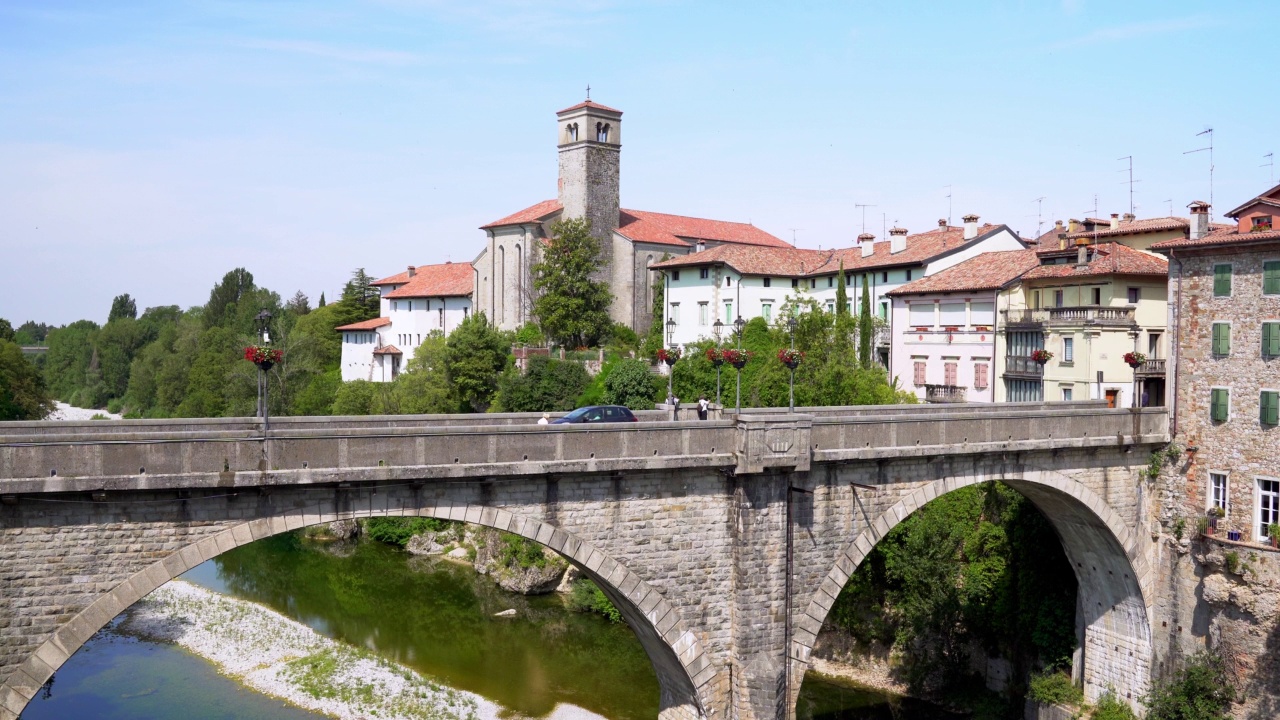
[{"x": 150, "y": 147}]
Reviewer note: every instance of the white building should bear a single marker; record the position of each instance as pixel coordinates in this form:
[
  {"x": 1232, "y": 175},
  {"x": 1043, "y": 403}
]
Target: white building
[
  {"x": 414, "y": 304},
  {"x": 732, "y": 280}
]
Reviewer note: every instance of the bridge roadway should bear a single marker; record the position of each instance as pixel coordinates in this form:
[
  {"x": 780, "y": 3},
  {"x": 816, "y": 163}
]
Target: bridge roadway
[{"x": 723, "y": 542}]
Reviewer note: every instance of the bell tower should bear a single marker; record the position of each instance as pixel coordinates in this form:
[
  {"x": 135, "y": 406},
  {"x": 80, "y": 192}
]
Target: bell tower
[{"x": 590, "y": 141}]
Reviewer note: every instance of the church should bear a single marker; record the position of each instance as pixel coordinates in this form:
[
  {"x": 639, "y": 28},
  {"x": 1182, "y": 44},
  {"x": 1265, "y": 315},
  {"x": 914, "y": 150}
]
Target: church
[{"x": 589, "y": 145}]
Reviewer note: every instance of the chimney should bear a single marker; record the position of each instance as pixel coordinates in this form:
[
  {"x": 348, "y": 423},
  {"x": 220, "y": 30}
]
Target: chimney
[
  {"x": 897, "y": 240},
  {"x": 1073, "y": 225},
  {"x": 942, "y": 224},
  {"x": 970, "y": 226},
  {"x": 702, "y": 245},
  {"x": 1128, "y": 217},
  {"x": 867, "y": 242},
  {"x": 1115, "y": 221},
  {"x": 412, "y": 271},
  {"x": 1082, "y": 252},
  {"x": 1199, "y": 219}
]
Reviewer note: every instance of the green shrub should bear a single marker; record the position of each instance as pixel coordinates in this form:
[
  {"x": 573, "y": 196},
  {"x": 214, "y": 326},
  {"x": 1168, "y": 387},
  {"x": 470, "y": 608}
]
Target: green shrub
[
  {"x": 397, "y": 530},
  {"x": 1054, "y": 688},
  {"x": 1231, "y": 560},
  {"x": 520, "y": 552},
  {"x": 631, "y": 384},
  {"x": 1110, "y": 707},
  {"x": 1201, "y": 690},
  {"x": 586, "y": 596}
]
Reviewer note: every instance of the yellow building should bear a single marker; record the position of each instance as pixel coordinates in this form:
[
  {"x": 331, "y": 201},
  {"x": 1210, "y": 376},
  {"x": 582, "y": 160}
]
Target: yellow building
[{"x": 1096, "y": 296}]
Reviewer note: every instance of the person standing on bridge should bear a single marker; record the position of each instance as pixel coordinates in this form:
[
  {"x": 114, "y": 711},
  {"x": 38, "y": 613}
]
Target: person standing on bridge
[{"x": 703, "y": 407}]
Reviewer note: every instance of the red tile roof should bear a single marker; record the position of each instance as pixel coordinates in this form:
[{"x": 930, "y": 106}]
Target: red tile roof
[
  {"x": 366, "y": 324},
  {"x": 1229, "y": 235},
  {"x": 1270, "y": 197},
  {"x": 1133, "y": 227},
  {"x": 388, "y": 350},
  {"x": 988, "y": 271},
  {"x": 444, "y": 280},
  {"x": 1108, "y": 259},
  {"x": 589, "y": 104},
  {"x": 533, "y": 213},
  {"x": 921, "y": 248},
  {"x": 657, "y": 228},
  {"x": 755, "y": 259}
]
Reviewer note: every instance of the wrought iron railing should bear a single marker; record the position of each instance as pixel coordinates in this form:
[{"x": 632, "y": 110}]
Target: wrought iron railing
[{"x": 1022, "y": 365}]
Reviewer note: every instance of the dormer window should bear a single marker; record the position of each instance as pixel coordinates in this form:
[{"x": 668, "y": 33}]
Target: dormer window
[
  {"x": 1261, "y": 223},
  {"x": 602, "y": 132}
]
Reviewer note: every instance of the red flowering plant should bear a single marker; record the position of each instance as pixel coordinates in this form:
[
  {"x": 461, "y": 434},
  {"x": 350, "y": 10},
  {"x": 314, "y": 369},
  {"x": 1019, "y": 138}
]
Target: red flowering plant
[
  {"x": 669, "y": 356},
  {"x": 736, "y": 358},
  {"x": 715, "y": 356},
  {"x": 1134, "y": 359},
  {"x": 790, "y": 357},
  {"x": 262, "y": 356},
  {"x": 1042, "y": 356}
]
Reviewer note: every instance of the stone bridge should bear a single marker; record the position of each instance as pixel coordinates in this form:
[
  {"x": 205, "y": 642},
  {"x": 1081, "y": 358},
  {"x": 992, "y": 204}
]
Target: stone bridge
[{"x": 724, "y": 543}]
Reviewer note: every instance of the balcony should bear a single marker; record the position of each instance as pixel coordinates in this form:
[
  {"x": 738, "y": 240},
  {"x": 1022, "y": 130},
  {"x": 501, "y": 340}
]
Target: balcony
[
  {"x": 1022, "y": 367},
  {"x": 1082, "y": 315},
  {"x": 946, "y": 394},
  {"x": 1151, "y": 368}
]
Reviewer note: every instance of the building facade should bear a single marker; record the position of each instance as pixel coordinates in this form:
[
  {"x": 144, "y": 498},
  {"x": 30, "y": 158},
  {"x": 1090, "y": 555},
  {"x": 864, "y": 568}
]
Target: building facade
[
  {"x": 422, "y": 300},
  {"x": 589, "y": 145},
  {"x": 1226, "y": 325}
]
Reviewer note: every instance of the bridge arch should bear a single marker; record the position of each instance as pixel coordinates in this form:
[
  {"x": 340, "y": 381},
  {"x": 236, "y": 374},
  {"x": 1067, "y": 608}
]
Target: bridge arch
[
  {"x": 675, "y": 651},
  {"x": 1112, "y": 576}
]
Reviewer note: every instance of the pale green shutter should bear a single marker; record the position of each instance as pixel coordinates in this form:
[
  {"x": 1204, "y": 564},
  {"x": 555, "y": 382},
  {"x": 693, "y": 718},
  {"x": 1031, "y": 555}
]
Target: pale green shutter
[
  {"x": 1221, "y": 339},
  {"x": 1221, "y": 280},
  {"x": 1271, "y": 339},
  {"x": 1269, "y": 408},
  {"x": 1218, "y": 405},
  {"x": 1271, "y": 278}
]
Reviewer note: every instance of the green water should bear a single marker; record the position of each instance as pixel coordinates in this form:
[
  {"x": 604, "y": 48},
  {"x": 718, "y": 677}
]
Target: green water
[{"x": 429, "y": 614}]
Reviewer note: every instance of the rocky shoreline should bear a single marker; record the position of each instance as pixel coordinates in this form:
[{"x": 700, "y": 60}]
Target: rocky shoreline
[{"x": 280, "y": 657}]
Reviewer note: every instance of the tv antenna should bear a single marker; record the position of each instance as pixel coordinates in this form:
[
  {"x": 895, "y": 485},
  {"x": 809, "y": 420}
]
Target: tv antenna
[
  {"x": 793, "y": 234},
  {"x": 864, "y": 214},
  {"x": 948, "y": 205},
  {"x": 1130, "y": 182},
  {"x": 1170, "y": 201},
  {"x": 1209, "y": 132},
  {"x": 1039, "y": 222},
  {"x": 1271, "y": 165},
  {"x": 884, "y": 225}
]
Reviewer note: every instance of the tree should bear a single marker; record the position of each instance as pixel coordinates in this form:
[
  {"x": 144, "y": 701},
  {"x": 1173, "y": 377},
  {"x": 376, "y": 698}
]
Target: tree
[
  {"x": 322, "y": 302},
  {"x": 300, "y": 304},
  {"x": 631, "y": 384},
  {"x": 23, "y": 395},
  {"x": 31, "y": 333},
  {"x": 354, "y": 398},
  {"x": 6, "y": 330},
  {"x": 123, "y": 306},
  {"x": 572, "y": 308},
  {"x": 424, "y": 387},
  {"x": 361, "y": 294},
  {"x": 226, "y": 295},
  {"x": 474, "y": 356},
  {"x": 547, "y": 385},
  {"x": 67, "y": 360},
  {"x": 1201, "y": 690},
  {"x": 653, "y": 340},
  {"x": 866, "y": 326}
]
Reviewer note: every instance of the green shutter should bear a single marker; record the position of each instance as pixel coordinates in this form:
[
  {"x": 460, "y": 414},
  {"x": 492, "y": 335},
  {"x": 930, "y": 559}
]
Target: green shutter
[
  {"x": 1221, "y": 339},
  {"x": 1221, "y": 280},
  {"x": 1271, "y": 339},
  {"x": 1271, "y": 278},
  {"x": 1269, "y": 408},
  {"x": 1218, "y": 405}
]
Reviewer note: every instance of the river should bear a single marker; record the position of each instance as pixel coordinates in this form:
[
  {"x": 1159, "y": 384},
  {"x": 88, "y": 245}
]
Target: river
[{"x": 430, "y": 614}]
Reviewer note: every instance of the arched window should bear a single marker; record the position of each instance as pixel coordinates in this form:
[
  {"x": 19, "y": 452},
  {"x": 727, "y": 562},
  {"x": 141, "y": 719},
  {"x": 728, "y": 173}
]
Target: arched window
[
  {"x": 572, "y": 129},
  {"x": 602, "y": 132}
]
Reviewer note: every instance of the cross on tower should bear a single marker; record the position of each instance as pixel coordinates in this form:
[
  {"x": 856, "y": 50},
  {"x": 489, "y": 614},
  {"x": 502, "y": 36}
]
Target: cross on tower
[{"x": 588, "y": 91}]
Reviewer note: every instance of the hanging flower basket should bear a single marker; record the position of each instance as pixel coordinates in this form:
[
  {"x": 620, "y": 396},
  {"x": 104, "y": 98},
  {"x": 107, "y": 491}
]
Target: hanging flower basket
[
  {"x": 1042, "y": 356},
  {"x": 263, "y": 357},
  {"x": 669, "y": 356},
  {"x": 790, "y": 357},
  {"x": 1134, "y": 359},
  {"x": 737, "y": 358},
  {"x": 715, "y": 356}
]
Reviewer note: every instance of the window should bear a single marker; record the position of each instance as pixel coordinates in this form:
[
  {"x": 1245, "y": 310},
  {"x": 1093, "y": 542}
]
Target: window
[
  {"x": 1271, "y": 339},
  {"x": 1218, "y": 491},
  {"x": 702, "y": 314},
  {"x": 1261, "y": 223},
  {"x": 1153, "y": 345},
  {"x": 884, "y": 311},
  {"x": 675, "y": 312},
  {"x": 908, "y": 275},
  {"x": 949, "y": 373},
  {"x": 675, "y": 275},
  {"x": 602, "y": 132},
  {"x": 573, "y": 132},
  {"x": 831, "y": 281},
  {"x": 728, "y": 312},
  {"x": 1268, "y": 505},
  {"x": 1134, "y": 294},
  {"x": 981, "y": 376},
  {"x": 1269, "y": 408},
  {"x": 1035, "y": 300},
  {"x": 831, "y": 306},
  {"x": 1066, "y": 394},
  {"x": 952, "y": 314},
  {"x": 1221, "y": 339},
  {"x": 766, "y": 282},
  {"x": 1271, "y": 277},
  {"x": 395, "y": 304},
  {"x": 795, "y": 282},
  {"x": 440, "y": 316},
  {"x": 1057, "y": 298},
  {"x": 921, "y": 314},
  {"x": 1222, "y": 280},
  {"x": 919, "y": 372},
  {"x": 813, "y": 283},
  {"x": 884, "y": 277},
  {"x": 704, "y": 273},
  {"x": 1097, "y": 296},
  {"x": 1068, "y": 349},
  {"x": 848, "y": 279},
  {"x": 766, "y": 311},
  {"x": 1024, "y": 390},
  {"x": 1219, "y": 404}
]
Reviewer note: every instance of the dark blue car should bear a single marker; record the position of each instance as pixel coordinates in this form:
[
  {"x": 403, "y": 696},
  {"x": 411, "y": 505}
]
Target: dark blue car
[{"x": 597, "y": 414}]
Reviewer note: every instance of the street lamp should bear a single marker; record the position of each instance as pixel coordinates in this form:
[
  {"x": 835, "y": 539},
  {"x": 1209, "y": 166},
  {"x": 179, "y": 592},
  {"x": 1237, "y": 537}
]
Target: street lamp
[
  {"x": 738, "y": 326},
  {"x": 671, "y": 329},
  {"x": 791, "y": 392},
  {"x": 263, "y": 322},
  {"x": 718, "y": 327}
]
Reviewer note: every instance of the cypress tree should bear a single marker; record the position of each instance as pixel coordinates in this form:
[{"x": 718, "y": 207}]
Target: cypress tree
[{"x": 866, "y": 328}]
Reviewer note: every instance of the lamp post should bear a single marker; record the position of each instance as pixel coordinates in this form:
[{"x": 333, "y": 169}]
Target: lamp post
[
  {"x": 718, "y": 327},
  {"x": 791, "y": 391},
  {"x": 738, "y": 326},
  {"x": 263, "y": 322}
]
